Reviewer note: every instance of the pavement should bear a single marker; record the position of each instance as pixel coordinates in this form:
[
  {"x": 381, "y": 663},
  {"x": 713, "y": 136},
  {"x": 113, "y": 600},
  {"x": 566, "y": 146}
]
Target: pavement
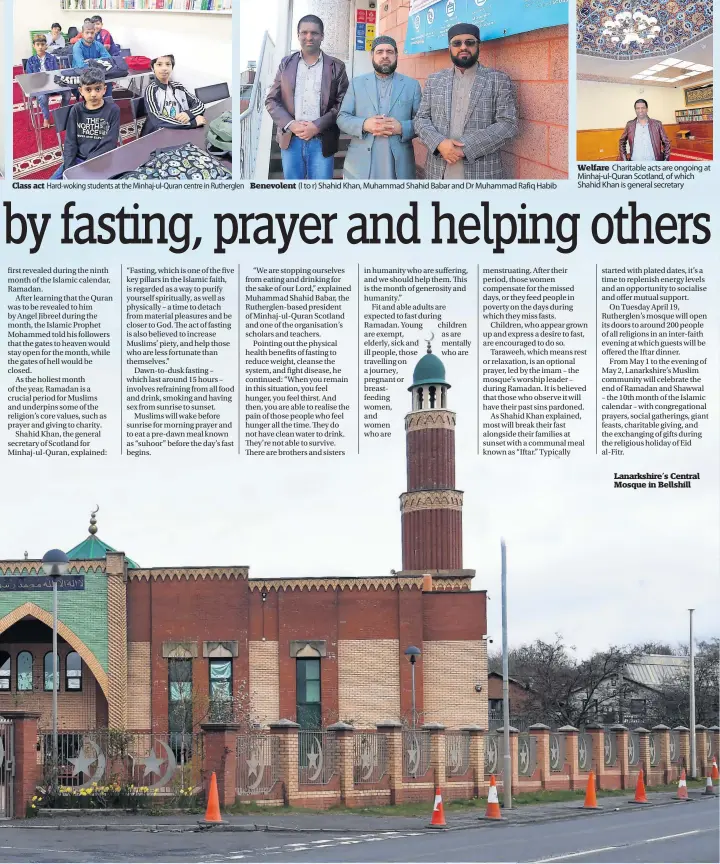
[{"x": 666, "y": 830}]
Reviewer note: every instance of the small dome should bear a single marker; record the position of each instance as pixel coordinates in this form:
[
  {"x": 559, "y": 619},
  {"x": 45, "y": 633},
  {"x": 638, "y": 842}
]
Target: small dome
[{"x": 429, "y": 370}]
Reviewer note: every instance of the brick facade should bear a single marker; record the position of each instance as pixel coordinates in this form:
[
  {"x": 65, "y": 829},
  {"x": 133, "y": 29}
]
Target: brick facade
[
  {"x": 537, "y": 62},
  {"x": 369, "y": 681},
  {"x": 451, "y": 671}
]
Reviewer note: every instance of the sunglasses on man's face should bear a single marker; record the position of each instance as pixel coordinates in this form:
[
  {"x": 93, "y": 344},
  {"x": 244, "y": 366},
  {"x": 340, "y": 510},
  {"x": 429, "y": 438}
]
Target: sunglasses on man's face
[{"x": 468, "y": 43}]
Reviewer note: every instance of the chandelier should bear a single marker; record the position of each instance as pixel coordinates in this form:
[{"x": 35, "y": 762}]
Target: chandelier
[{"x": 628, "y": 28}]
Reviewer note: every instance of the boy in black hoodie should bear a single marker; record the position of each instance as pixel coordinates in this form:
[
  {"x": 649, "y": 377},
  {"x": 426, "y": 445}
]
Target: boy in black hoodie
[{"x": 93, "y": 125}]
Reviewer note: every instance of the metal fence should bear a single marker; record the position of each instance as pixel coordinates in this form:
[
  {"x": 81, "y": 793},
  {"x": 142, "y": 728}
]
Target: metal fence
[
  {"x": 7, "y": 766},
  {"x": 675, "y": 754},
  {"x": 633, "y": 748},
  {"x": 370, "y": 757},
  {"x": 494, "y": 754},
  {"x": 251, "y": 119},
  {"x": 654, "y": 747},
  {"x": 317, "y": 757},
  {"x": 585, "y": 751},
  {"x": 610, "y": 748},
  {"x": 164, "y": 763},
  {"x": 557, "y": 751},
  {"x": 527, "y": 755},
  {"x": 416, "y": 753},
  {"x": 457, "y": 753},
  {"x": 258, "y": 763}
]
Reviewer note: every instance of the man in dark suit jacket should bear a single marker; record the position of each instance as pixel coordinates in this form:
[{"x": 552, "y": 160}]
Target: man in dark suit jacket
[
  {"x": 644, "y": 139},
  {"x": 304, "y": 101}
]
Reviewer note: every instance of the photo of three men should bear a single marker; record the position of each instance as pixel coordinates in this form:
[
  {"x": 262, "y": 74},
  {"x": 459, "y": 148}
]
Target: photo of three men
[{"x": 465, "y": 114}]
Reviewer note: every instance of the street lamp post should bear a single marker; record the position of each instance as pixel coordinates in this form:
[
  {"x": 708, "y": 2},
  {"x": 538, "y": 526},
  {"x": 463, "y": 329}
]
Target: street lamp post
[
  {"x": 693, "y": 743},
  {"x": 412, "y": 653},
  {"x": 54, "y": 565}
]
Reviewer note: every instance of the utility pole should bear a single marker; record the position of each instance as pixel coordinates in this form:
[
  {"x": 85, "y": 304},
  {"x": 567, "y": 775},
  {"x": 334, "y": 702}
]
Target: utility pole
[
  {"x": 507, "y": 764},
  {"x": 693, "y": 746}
]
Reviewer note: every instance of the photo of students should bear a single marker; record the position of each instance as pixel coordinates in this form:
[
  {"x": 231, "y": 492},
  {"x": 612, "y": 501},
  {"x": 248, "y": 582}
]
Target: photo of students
[
  {"x": 645, "y": 83},
  {"x": 507, "y": 71},
  {"x": 168, "y": 71}
]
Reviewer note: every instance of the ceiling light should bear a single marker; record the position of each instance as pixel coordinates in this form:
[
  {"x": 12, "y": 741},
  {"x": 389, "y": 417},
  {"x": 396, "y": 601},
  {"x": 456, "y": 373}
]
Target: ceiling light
[
  {"x": 702, "y": 68},
  {"x": 670, "y": 61},
  {"x": 628, "y": 28},
  {"x": 684, "y": 64},
  {"x": 641, "y": 77},
  {"x": 656, "y": 69}
]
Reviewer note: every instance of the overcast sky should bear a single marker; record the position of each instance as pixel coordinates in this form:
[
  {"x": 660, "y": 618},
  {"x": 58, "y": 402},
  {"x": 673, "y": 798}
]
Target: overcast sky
[{"x": 255, "y": 18}]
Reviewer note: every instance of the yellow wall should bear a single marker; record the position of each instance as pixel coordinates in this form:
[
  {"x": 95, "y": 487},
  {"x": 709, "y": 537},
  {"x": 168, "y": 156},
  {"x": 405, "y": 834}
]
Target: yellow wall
[{"x": 609, "y": 106}]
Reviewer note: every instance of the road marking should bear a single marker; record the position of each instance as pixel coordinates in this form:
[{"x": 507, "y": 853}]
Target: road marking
[
  {"x": 309, "y": 845},
  {"x": 622, "y": 846}
]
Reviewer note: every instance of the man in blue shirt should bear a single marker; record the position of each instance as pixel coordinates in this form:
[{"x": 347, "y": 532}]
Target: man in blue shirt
[{"x": 89, "y": 48}]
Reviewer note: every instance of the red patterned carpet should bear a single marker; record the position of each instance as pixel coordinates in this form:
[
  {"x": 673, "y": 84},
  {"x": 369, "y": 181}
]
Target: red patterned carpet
[{"x": 31, "y": 164}]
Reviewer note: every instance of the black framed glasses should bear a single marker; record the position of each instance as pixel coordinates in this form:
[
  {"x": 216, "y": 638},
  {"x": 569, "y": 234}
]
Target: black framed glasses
[{"x": 468, "y": 43}]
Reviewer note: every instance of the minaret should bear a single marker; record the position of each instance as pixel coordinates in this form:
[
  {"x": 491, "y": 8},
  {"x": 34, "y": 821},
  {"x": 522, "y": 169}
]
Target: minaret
[{"x": 432, "y": 506}]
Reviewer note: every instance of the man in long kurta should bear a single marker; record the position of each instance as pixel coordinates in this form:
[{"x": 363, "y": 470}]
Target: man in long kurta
[
  {"x": 377, "y": 112},
  {"x": 467, "y": 114}
]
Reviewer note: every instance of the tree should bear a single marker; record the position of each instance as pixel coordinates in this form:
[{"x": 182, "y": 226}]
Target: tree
[
  {"x": 671, "y": 703},
  {"x": 563, "y": 689}
]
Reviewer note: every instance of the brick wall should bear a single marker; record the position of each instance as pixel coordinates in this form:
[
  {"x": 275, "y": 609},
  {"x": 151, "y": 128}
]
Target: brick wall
[
  {"x": 139, "y": 688},
  {"x": 537, "y": 62},
  {"x": 265, "y": 681},
  {"x": 451, "y": 671},
  {"x": 369, "y": 681}
]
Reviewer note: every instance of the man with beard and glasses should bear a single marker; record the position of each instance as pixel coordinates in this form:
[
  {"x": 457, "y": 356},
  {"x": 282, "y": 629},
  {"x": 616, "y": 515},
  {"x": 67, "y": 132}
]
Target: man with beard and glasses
[
  {"x": 304, "y": 101},
  {"x": 377, "y": 112},
  {"x": 467, "y": 114}
]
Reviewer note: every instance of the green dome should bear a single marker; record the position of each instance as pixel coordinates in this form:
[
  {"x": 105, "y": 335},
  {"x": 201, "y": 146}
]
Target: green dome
[
  {"x": 93, "y": 548},
  {"x": 429, "y": 370}
]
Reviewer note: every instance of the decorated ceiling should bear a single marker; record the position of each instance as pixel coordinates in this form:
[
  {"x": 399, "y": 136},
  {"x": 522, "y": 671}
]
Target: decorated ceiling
[{"x": 679, "y": 23}]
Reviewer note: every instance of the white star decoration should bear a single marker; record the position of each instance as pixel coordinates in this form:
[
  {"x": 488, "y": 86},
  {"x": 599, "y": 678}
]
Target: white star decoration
[
  {"x": 253, "y": 764},
  {"x": 82, "y": 762},
  {"x": 152, "y": 763},
  {"x": 312, "y": 758}
]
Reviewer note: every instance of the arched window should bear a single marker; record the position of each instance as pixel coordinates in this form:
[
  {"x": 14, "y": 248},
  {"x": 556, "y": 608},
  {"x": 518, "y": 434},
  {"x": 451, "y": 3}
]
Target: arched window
[
  {"x": 73, "y": 671},
  {"x": 5, "y": 670},
  {"x": 24, "y": 671},
  {"x": 48, "y": 671}
]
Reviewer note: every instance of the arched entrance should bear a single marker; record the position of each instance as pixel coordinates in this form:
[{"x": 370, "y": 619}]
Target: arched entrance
[{"x": 26, "y": 672}]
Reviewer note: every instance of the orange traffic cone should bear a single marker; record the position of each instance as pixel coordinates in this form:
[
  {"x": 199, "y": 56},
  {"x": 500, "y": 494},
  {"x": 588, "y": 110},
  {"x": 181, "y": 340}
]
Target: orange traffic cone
[
  {"x": 438, "y": 814},
  {"x": 212, "y": 813},
  {"x": 493, "y": 805},
  {"x": 590, "y": 799},
  {"x": 709, "y": 788},
  {"x": 682, "y": 793},
  {"x": 714, "y": 773},
  {"x": 640, "y": 795}
]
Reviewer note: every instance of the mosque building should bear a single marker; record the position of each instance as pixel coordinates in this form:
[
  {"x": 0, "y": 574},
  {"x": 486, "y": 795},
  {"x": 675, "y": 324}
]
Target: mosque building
[{"x": 135, "y": 641}]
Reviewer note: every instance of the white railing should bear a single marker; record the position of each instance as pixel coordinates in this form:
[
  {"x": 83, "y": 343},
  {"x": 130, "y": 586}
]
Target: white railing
[{"x": 254, "y": 117}]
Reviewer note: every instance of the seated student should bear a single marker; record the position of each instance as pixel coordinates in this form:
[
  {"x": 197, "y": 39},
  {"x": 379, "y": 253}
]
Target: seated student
[
  {"x": 88, "y": 48},
  {"x": 55, "y": 39},
  {"x": 41, "y": 61},
  {"x": 103, "y": 35},
  {"x": 169, "y": 105},
  {"x": 80, "y": 31},
  {"x": 93, "y": 125}
]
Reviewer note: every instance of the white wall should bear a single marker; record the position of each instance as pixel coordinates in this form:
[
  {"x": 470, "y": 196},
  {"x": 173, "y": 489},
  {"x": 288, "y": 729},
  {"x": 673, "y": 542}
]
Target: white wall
[
  {"x": 610, "y": 106},
  {"x": 202, "y": 44}
]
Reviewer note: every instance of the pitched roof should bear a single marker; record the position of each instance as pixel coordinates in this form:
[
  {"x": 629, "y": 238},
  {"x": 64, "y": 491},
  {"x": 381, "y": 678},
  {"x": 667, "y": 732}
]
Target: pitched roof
[
  {"x": 92, "y": 547},
  {"x": 656, "y": 670}
]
